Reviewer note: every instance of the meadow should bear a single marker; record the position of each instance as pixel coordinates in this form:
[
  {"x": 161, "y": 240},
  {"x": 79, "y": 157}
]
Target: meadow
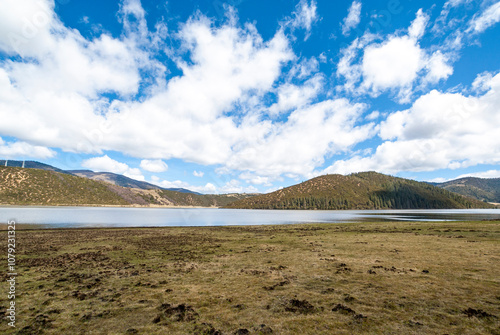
[{"x": 350, "y": 278}]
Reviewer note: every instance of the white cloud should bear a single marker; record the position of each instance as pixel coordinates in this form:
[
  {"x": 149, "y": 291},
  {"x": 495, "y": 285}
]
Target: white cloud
[
  {"x": 24, "y": 150},
  {"x": 439, "y": 131},
  {"x": 484, "y": 174},
  {"x": 417, "y": 27},
  {"x": 395, "y": 63},
  {"x": 398, "y": 64},
  {"x": 346, "y": 67},
  {"x": 254, "y": 179},
  {"x": 53, "y": 96},
  {"x": 298, "y": 146},
  {"x": 442, "y": 23},
  {"x": 304, "y": 16},
  {"x": 292, "y": 96},
  {"x": 156, "y": 165},
  {"x": 486, "y": 19},
  {"x": 483, "y": 82},
  {"x": 198, "y": 174},
  {"x": 107, "y": 164},
  {"x": 208, "y": 188},
  {"x": 353, "y": 18},
  {"x": 233, "y": 186},
  {"x": 438, "y": 68}
]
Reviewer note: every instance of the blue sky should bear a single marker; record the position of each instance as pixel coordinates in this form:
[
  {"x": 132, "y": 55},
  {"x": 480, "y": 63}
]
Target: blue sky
[{"x": 250, "y": 96}]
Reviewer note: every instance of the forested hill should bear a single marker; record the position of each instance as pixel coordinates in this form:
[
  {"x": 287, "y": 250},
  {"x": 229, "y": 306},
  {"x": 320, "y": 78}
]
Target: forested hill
[{"x": 366, "y": 190}]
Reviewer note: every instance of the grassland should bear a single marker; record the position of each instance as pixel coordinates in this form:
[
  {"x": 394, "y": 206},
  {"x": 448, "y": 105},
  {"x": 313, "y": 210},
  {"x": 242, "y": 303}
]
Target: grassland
[{"x": 355, "y": 278}]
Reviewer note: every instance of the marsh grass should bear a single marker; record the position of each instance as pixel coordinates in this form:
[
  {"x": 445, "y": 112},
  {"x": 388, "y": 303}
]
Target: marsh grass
[{"x": 374, "y": 278}]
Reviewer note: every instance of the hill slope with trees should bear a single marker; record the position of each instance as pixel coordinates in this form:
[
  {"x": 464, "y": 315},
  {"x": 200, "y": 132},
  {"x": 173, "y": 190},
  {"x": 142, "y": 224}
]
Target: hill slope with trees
[{"x": 366, "y": 190}]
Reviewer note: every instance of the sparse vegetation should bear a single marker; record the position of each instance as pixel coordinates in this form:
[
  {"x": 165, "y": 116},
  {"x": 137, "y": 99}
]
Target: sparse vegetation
[
  {"x": 32, "y": 186},
  {"x": 40, "y": 187},
  {"x": 353, "y": 278}
]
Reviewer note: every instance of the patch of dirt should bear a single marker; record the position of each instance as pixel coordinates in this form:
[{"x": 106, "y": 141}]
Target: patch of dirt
[
  {"x": 206, "y": 329},
  {"x": 181, "y": 312},
  {"x": 280, "y": 284},
  {"x": 347, "y": 311},
  {"x": 263, "y": 329},
  {"x": 342, "y": 268},
  {"x": 470, "y": 312},
  {"x": 299, "y": 306}
]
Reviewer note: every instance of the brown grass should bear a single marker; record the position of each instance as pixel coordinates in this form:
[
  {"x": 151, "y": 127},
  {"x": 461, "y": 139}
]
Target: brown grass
[{"x": 374, "y": 278}]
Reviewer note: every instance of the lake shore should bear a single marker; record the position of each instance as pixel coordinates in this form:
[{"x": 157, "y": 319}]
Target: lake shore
[{"x": 345, "y": 278}]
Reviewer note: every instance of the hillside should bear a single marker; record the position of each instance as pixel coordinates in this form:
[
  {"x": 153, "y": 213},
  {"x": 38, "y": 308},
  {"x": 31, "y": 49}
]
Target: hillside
[
  {"x": 366, "y": 190},
  {"x": 28, "y": 186},
  {"x": 478, "y": 188},
  {"x": 20, "y": 186}
]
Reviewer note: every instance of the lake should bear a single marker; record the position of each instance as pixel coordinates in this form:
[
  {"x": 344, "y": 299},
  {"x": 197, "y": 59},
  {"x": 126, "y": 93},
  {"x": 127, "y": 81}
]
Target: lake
[{"x": 87, "y": 217}]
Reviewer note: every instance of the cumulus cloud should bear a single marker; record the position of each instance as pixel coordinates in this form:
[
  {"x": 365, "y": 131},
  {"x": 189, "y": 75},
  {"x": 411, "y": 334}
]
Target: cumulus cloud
[
  {"x": 107, "y": 164},
  {"x": 439, "y": 131},
  {"x": 298, "y": 146},
  {"x": 156, "y": 165},
  {"x": 22, "y": 149},
  {"x": 353, "y": 18},
  {"x": 291, "y": 96},
  {"x": 397, "y": 64}
]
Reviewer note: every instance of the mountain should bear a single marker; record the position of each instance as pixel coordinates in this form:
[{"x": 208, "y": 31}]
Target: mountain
[
  {"x": 366, "y": 190},
  {"x": 42, "y": 187},
  {"x": 113, "y": 178},
  {"x": 478, "y": 188},
  {"x": 31, "y": 165},
  {"x": 120, "y": 180}
]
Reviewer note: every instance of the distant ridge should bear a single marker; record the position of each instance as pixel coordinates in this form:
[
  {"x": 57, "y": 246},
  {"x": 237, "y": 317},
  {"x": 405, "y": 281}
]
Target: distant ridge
[
  {"x": 366, "y": 190},
  {"x": 479, "y": 188},
  {"x": 32, "y": 165},
  {"x": 120, "y": 180}
]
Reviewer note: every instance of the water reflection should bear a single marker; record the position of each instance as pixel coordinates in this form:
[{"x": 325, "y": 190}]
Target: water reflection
[{"x": 83, "y": 217}]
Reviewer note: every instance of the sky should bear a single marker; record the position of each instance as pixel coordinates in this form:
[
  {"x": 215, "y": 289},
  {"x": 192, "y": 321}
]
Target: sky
[{"x": 249, "y": 95}]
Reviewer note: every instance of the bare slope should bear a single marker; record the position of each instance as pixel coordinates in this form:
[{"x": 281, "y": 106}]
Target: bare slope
[{"x": 366, "y": 190}]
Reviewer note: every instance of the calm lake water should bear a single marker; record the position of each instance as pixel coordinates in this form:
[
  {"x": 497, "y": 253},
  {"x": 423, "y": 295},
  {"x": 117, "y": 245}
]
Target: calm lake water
[{"x": 80, "y": 217}]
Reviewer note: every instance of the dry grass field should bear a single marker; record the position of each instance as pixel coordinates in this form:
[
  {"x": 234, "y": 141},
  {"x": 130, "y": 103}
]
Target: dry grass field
[{"x": 353, "y": 278}]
